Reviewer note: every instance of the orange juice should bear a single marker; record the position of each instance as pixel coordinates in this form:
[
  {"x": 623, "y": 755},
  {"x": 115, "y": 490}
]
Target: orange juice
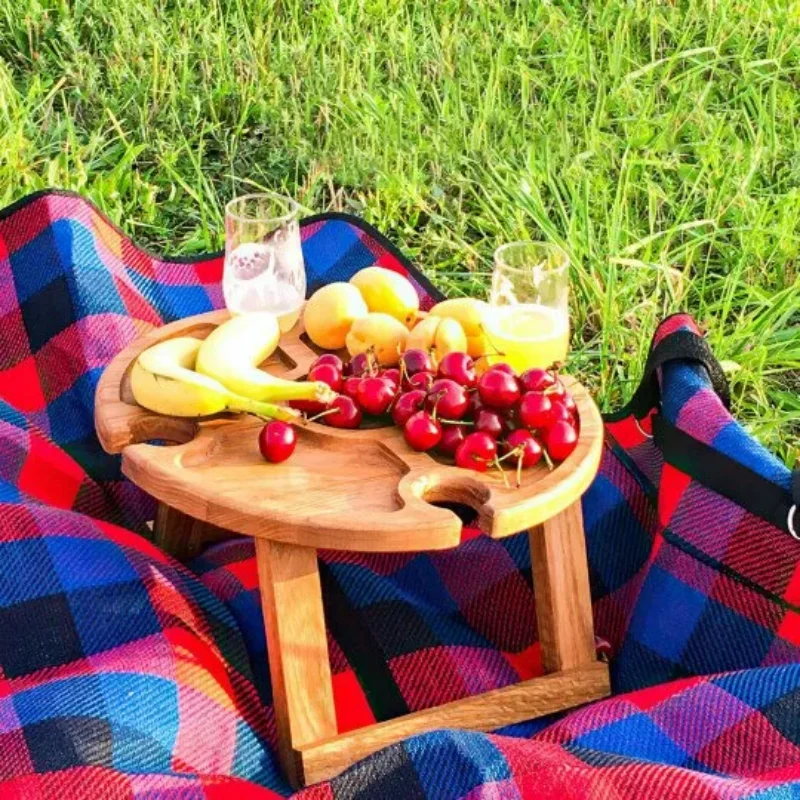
[{"x": 527, "y": 335}]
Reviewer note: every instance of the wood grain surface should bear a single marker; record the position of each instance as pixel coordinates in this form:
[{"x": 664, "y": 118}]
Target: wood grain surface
[
  {"x": 363, "y": 490},
  {"x": 484, "y": 712}
]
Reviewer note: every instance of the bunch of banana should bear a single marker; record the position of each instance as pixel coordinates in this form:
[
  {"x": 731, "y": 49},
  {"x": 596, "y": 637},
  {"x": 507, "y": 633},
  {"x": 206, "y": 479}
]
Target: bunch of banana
[{"x": 186, "y": 377}]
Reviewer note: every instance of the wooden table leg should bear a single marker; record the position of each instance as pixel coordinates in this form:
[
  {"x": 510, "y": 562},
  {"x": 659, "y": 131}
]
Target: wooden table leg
[
  {"x": 291, "y": 597},
  {"x": 561, "y": 588},
  {"x": 183, "y": 536}
]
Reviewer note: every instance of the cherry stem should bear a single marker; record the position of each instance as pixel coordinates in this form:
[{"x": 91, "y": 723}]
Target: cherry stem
[
  {"x": 547, "y": 459},
  {"x": 499, "y": 466},
  {"x": 519, "y": 466},
  {"x": 322, "y": 414},
  {"x": 455, "y": 422}
]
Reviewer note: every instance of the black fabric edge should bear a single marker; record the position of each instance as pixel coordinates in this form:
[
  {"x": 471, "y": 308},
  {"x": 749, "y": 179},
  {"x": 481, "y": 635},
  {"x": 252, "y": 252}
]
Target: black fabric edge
[
  {"x": 357, "y": 222},
  {"x": 628, "y": 409},
  {"x": 722, "y": 474}
]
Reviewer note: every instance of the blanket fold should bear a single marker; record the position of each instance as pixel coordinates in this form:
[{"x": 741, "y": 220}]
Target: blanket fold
[{"x": 124, "y": 674}]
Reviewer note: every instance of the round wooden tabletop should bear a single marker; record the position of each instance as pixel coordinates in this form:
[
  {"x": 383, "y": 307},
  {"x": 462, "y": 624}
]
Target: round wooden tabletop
[{"x": 356, "y": 490}]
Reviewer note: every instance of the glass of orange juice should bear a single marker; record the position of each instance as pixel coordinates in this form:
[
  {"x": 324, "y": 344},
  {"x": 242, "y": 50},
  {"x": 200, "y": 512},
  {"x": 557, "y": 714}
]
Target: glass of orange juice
[{"x": 528, "y": 325}]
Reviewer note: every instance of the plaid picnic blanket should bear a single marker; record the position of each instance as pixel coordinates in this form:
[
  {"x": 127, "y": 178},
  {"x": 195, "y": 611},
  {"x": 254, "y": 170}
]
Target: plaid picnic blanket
[{"x": 124, "y": 674}]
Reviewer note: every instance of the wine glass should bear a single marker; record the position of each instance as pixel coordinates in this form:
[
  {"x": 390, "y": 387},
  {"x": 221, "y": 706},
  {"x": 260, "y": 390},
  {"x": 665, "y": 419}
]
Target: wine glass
[
  {"x": 529, "y": 321},
  {"x": 264, "y": 268}
]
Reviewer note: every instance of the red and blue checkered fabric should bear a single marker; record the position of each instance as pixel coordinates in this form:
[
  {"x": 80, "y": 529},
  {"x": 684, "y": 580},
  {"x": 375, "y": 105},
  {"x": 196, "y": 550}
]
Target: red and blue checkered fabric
[{"x": 122, "y": 674}]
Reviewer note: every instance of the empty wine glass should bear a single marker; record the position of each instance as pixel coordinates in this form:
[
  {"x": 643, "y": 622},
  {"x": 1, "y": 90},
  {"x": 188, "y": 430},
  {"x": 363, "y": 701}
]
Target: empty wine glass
[{"x": 264, "y": 269}]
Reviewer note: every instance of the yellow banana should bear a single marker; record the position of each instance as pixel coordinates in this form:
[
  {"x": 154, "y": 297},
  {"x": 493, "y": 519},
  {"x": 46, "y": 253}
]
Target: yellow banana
[
  {"x": 163, "y": 380},
  {"x": 231, "y": 355},
  {"x": 471, "y": 313}
]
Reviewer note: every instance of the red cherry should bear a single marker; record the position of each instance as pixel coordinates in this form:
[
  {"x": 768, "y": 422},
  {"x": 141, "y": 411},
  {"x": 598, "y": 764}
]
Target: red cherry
[
  {"x": 308, "y": 407},
  {"x": 392, "y": 375},
  {"x": 277, "y": 441},
  {"x": 488, "y": 421},
  {"x": 536, "y": 380},
  {"x": 476, "y": 452},
  {"x": 498, "y": 388},
  {"x": 327, "y": 374},
  {"x": 560, "y": 413},
  {"x": 448, "y": 399},
  {"x": 452, "y": 437},
  {"x": 557, "y": 391},
  {"x": 460, "y": 368},
  {"x": 407, "y": 404},
  {"x": 561, "y": 440},
  {"x": 420, "y": 380},
  {"x": 475, "y": 405},
  {"x": 569, "y": 404},
  {"x": 360, "y": 364},
  {"x": 535, "y": 410},
  {"x": 329, "y": 358},
  {"x": 529, "y": 447},
  {"x": 503, "y": 367},
  {"x": 422, "y": 431},
  {"x": 375, "y": 395},
  {"x": 350, "y": 386},
  {"x": 346, "y": 413},
  {"x": 414, "y": 361}
]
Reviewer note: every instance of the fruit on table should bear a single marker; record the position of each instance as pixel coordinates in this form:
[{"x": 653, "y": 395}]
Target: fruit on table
[
  {"x": 332, "y": 359},
  {"x": 535, "y": 410},
  {"x": 393, "y": 376},
  {"x": 422, "y": 431},
  {"x": 476, "y": 452},
  {"x": 536, "y": 380},
  {"x": 407, "y": 404},
  {"x": 437, "y": 336},
  {"x": 472, "y": 315},
  {"x": 350, "y": 385},
  {"x": 560, "y": 440},
  {"x": 447, "y": 399},
  {"x": 452, "y": 437},
  {"x": 491, "y": 422},
  {"x": 388, "y": 292},
  {"x": 467, "y": 420},
  {"x": 527, "y": 447},
  {"x": 420, "y": 380},
  {"x": 375, "y": 395},
  {"x": 459, "y": 367},
  {"x": 163, "y": 380},
  {"x": 346, "y": 413},
  {"x": 360, "y": 364},
  {"x": 379, "y": 334},
  {"x": 327, "y": 374},
  {"x": 232, "y": 352},
  {"x": 559, "y": 413},
  {"x": 330, "y": 313},
  {"x": 415, "y": 360},
  {"x": 277, "y": 441},
  {"x": 498, "y": 389}
]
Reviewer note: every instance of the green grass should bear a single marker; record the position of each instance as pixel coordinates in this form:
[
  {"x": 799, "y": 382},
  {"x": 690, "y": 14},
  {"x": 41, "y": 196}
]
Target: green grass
[{"x": 659, "y": 142}]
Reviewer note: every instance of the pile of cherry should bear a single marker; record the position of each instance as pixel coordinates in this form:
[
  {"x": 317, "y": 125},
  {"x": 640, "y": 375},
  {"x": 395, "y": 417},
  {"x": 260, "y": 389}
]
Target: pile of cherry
[{"x": 477, "y": 421}]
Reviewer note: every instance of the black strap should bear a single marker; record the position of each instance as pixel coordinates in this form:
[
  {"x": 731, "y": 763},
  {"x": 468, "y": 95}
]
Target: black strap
[
  {"x": 681, "y": 345},
  {"x": 725, "y": 476}
]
